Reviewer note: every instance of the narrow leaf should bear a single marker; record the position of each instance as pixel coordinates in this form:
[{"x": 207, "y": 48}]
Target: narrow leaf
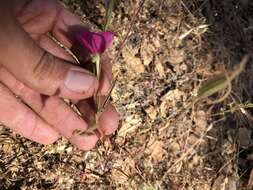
[{"x": 220, "y": 82}]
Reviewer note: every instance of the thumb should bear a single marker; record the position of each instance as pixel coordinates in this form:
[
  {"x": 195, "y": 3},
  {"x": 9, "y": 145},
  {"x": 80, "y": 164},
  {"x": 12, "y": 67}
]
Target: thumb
[{"x": 40, "y": 70}]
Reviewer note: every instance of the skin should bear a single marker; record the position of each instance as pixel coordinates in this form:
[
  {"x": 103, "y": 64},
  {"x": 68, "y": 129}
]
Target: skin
[{"x": 36, "y": 70}]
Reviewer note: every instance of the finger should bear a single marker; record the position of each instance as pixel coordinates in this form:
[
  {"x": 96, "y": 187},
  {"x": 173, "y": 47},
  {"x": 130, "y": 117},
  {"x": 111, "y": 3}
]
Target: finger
[
  {"x": 106, "y": 75},
  {"x": 106, "y": 79},
  {"x": 50, "y": 46},
  {"x": 107, "y": 66},
  {"x": 52, "y": 109},
  {"x": 54, "y": 18},
  {"x": 67, "y": 25},
  {"x": 40, "y": 70},
  {"x": 104, "y": 84},
  {"x": 48, "y": 14},
  {"x": 86, "y": 107},
  {"x": 108, "y": 121},
  {"x": 23, "y": 120},
  {"x": 36, "y": 17},
  {"x": 64, "y": 120},
  {"x": 85, "y": 142}
]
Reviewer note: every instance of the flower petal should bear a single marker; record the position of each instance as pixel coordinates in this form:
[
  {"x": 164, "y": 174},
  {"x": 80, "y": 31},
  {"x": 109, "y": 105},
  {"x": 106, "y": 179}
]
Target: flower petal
[
  {"x": 108, "y": 38},
  {"x": 96, "y": 42},
  {"x": 86, "y": 41}
]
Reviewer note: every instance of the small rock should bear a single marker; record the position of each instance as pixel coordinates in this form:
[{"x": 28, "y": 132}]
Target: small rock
[
  {"x": 152, "y": 112},
  {"x": 225, "y": 183},
  {"x": 126, "y": 166},
  {"x": 7, "y": 148},
  {"x": 129, "y": 125},
  {"x": 176, "y": 56},
  {"x": 244, "y": 137},
  {"x": 169, "y": 101},
  {"x": 134, "y": 62},
  {"x": 147, "y": 53},
  {"x": 200, "y": 119},
  {"x": 160, "y": 69},
  {"x": 155, "y": 150}
]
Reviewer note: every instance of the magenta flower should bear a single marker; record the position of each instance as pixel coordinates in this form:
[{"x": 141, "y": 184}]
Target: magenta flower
[{"x": 95, "y": 42}]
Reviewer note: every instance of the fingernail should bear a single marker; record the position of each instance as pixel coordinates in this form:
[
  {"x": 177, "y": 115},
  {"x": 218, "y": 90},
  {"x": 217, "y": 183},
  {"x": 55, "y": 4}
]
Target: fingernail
[{"x": 79, "y": 81}]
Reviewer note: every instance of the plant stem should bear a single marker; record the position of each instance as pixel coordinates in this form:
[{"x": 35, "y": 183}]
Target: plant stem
[
  {"x": 109, "y": 8},
  {"x": 135, "y": 17},
  {"x": 97, "y": 71}
]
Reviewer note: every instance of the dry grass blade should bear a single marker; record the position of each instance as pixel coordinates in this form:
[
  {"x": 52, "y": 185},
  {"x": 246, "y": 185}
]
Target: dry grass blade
[
  {"x": 238, "y": 107},
  {"x": 135, "y": 18},
  {"x": 189, "y": 151},
  {"x": 220, "y": 83},
  {"x": 64, "y": 47}
]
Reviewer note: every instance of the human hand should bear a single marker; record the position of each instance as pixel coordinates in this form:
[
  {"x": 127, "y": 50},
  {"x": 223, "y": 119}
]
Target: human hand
[{"x": 38, "y": 71}]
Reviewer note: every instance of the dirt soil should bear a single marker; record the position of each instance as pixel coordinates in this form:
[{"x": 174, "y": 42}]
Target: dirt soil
[{"x": 174, "y": 47}]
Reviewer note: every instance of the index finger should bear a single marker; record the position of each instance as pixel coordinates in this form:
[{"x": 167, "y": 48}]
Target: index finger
[{"x": 67, "y": 26}]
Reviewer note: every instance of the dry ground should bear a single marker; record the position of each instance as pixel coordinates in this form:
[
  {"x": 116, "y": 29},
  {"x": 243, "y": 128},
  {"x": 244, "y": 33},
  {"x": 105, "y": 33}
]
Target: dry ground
[{"x": 175, "y": 46}]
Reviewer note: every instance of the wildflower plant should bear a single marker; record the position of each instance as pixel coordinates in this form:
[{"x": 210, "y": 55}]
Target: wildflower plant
[{"x": 96, "y": 44}]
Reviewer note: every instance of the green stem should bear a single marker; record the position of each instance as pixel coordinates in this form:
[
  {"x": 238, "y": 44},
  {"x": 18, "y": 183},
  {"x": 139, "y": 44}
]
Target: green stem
[
  {"x": 109, "y": 14},
  {"x": 97, "y": 71}
]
